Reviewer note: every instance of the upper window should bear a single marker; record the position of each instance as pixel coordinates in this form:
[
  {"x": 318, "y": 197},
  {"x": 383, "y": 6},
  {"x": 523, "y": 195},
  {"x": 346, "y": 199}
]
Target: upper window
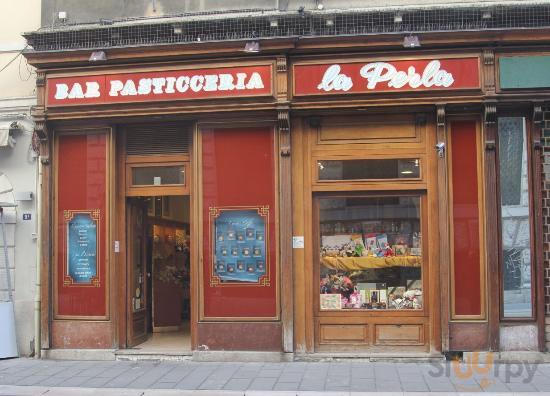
[
  {"x": 515, "y": 217},
  {"x": 365, "y": 169}
]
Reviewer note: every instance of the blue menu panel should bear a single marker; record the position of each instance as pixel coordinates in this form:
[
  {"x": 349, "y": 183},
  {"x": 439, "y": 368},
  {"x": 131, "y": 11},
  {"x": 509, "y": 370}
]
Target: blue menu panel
[
  {"x": 82, "y": 248},
  {"x": 239, "y": 254}
]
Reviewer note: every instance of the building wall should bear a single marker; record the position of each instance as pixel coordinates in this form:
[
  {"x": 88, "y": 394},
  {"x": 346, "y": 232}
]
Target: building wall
[
  {"x": 546, "y": 217},
  {"x": 18, "y": 165},
  {"x": 79, "y": 11}
]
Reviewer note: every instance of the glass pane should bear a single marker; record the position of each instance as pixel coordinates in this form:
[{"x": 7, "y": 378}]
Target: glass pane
[
  {"x": 371, "y": 253},
  {"x": 369, "y": 169},
  {"x": 158, "y": 175},
  {"x": 516, "y": 231}
]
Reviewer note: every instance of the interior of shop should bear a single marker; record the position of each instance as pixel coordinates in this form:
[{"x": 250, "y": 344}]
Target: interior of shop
[{"x": 163, "y": 283}]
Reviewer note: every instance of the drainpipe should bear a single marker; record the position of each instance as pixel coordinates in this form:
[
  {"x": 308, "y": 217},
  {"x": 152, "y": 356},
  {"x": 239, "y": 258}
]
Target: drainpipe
[{"x": 37, "y": 297}]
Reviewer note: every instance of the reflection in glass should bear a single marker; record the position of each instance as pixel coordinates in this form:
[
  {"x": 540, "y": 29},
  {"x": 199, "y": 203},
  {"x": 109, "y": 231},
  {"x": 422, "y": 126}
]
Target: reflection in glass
[
  {"x": 365, "y": 169},
  {"x": 158, "y": 175},
  {"x": 516, "y": 232},
  {"x": 371, "y": 253}
]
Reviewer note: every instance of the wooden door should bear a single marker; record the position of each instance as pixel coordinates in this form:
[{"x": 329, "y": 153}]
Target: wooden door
[{"x": 137, "y": 317}]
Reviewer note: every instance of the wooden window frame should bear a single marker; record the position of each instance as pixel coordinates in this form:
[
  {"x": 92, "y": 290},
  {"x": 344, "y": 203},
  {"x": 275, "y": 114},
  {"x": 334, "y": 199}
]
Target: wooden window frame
[
  {"x": 425, "y": 267},
  {"x": 163, "y": 189},
  {"x": 531, "y": 178}
]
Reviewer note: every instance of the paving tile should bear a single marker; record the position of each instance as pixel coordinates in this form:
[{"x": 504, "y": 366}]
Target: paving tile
[
  {"x": 263, "y": 384},
  {"x": 272, "y": 373},
  {"x": 74, "y": 381},
  {"x": 388, "y": 386},
  {"x": 363, "y": 385},
  {"x": 96, "y": 382},
  {"x": 441, "y": 386},
  {"x": 519, "y": 387},
  {"x": 237, "y": 384},
  {"x": 415, "y": 387},
  {"x": 30, "y": 380},
  {"x": 289, "y": 386},
  {"x": 164, "y": 385}
]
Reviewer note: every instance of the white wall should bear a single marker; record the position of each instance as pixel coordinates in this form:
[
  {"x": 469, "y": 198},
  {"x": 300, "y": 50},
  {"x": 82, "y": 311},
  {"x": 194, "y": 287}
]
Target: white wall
[{"x": 17, "y": 165}]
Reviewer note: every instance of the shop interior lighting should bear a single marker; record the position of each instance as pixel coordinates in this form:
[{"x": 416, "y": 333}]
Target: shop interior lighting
[
  {"x": 252, "y": 47},
  {"x": 329, "y": 22},
  {"x": 411, "y": 42},
  {"x": 178, "y": 29},
  {"x": 274, "y": 23},
  {"x": 98, "y": 56},
  {"x": 398, "y": 18}
]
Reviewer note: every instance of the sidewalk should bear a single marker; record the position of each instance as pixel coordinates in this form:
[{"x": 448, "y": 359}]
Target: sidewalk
[{"x": 39, "y": 377}]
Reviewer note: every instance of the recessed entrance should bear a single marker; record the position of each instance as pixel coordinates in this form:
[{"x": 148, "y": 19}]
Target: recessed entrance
[{"x": 159, "y": 273}]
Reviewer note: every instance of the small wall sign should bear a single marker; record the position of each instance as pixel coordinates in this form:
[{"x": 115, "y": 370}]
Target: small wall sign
[
  {"x": 297, "y": 242},
  {"x": 26, "y": 216}
]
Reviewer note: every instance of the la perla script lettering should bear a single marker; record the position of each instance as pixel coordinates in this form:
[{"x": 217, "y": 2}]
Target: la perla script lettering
[
  {"x": 333, "y": 80},
  {"x": 380, "y": 72}
]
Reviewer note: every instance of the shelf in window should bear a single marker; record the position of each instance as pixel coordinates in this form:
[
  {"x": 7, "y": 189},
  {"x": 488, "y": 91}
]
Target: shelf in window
[{"x": 360, "y": 263}]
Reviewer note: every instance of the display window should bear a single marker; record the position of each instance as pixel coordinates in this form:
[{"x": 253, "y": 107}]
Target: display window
[{"x": 370, "y": 254}]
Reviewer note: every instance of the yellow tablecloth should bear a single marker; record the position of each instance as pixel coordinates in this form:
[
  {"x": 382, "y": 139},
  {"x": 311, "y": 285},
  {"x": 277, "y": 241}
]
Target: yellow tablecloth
[{"x": 359, "y": 263}]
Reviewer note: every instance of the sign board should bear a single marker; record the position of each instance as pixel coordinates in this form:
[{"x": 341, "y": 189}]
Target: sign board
[
  {"x": 166, "y": 85},
  {"x": 386, "y": 76}
]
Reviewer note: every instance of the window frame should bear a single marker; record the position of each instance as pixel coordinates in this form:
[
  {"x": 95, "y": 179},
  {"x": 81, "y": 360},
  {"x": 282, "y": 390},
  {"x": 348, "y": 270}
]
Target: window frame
[
  {"x": 529, "y": 133},
  {"x": 425, "y": 266}
]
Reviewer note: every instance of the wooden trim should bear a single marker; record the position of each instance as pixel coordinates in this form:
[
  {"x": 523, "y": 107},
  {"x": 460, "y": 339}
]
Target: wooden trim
[
  {"x": 121, "y": 262},
  {"x": 196, "y": 292},
  {"x": 46, "y": 240},
  {"x": 443, "y": 226},
  {"x": 492, "y": 220},
  {"x": 481, "y": 216},
  {"x": 284, "y": 218},
  {"x": 299, "y": 274}
]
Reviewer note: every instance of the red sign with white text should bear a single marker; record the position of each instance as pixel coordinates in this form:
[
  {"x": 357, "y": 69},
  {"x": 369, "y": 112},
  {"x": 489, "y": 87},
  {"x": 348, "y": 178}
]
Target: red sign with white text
[
  {"x": 191, "y": 84},
  {"x": 391, "y": 76}
]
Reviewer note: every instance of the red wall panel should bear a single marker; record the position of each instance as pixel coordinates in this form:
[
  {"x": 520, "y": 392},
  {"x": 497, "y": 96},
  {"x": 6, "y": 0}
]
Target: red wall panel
[
  {"x": 238, "y": 169},
  {"x": 465, "y": 212},
  {"x": 81, "y": 186}
]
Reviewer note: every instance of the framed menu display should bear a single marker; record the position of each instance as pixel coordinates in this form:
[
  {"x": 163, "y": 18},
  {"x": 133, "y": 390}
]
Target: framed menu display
[
  {"x": 82, "y": 247},
  {"x": 239, "y": 245}
]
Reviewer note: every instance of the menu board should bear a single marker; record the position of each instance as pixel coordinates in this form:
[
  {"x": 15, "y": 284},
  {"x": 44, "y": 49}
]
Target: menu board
[
  {"x": 240, "y": 248},
  {"x": 82, "y": 247}
]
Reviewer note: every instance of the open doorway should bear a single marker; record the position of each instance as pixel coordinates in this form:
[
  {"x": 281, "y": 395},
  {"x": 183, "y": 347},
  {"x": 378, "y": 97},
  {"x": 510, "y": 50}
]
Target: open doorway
[{"x": 159, "y": 274}]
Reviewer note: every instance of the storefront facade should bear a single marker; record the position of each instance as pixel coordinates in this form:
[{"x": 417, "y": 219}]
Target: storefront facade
[{"x": 340, "y": 199}]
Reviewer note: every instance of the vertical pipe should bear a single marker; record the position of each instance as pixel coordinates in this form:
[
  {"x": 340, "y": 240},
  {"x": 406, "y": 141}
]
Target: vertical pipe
[{"x": 37, "y": 297}]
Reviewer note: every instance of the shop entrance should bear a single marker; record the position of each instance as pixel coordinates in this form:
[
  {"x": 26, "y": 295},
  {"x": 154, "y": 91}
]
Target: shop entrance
[{"x": 159, "y": 273}]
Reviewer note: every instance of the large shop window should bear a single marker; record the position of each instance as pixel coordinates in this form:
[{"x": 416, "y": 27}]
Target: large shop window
[
  {"x": 515, "y": 217},
  {"x": 371, "y": 252}
]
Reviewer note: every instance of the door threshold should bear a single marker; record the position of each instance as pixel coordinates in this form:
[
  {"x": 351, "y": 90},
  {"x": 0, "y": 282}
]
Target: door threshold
[
  {"x": 147, "y": 355},
  {"x": 370, "y": 356}
]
